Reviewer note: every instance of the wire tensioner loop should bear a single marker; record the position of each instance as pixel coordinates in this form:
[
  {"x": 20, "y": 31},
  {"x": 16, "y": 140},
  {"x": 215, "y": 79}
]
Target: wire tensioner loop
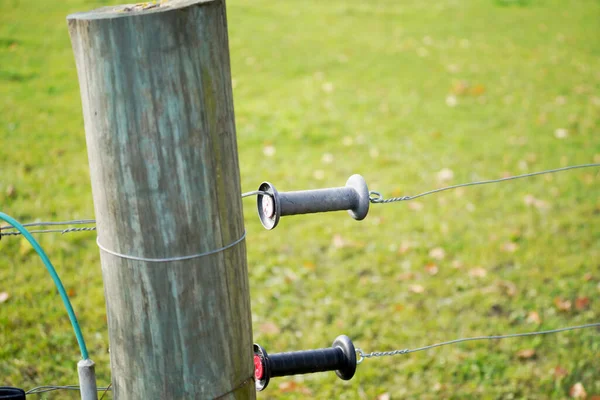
[
  {"x": 340, "y": 357},
  {"x": 273, "y": 205}
]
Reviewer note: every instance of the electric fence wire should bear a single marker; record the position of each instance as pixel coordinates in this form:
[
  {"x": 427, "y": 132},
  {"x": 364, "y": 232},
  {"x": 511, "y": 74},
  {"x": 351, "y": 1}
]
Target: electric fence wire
[
  {"x": 376, "y": 197},
  {"x": 108, "y": 388},
  {"x": 50, "y": 388},
  {"x": 78, "y": 222},
  {"x": 74, "y": 222},
  {"x": 362, "y": 355},
  {"x": 63, "y": 231}
]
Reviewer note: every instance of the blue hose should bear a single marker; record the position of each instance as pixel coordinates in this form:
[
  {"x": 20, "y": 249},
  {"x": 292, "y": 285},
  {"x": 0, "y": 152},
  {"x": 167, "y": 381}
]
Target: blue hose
[{"x": 57, "y": 281}]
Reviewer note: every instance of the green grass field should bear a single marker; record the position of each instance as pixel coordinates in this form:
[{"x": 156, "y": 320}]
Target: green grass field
[{"x": 413, "y": 95}]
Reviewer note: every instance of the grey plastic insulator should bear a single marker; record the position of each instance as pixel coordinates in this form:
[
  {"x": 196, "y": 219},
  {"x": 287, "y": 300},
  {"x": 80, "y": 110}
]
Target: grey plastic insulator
[
  {"x": 87, "y": 379},
  {"x": 353, "y": 197}
]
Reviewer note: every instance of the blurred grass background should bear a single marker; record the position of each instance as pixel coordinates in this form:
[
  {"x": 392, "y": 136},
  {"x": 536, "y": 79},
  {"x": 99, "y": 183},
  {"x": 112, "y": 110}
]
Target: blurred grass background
[{"x": 412, "y": 95}]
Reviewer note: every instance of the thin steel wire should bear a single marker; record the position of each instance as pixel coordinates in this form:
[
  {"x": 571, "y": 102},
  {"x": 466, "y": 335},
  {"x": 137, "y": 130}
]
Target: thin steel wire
[
  {"x": 376, "y": 197},
  {"x": 107, "y": 389},
  {"x": 74, "y": 222},
  {"x": 364, "y": 355},
  {"x": 56, "y": 223},
  {"x": 81, "y": 222},
  {"x": 237, "y": 387},
  {"x": 254, "y": 193},
  {"x": 171, "y": 259},
  {"x": 62, "y": 231},
  {"x": 50, "y": 388}
]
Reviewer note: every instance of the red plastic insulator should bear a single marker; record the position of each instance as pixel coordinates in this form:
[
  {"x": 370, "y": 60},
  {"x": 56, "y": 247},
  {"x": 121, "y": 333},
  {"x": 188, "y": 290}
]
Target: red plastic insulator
[{"x": 258, "y": 367}]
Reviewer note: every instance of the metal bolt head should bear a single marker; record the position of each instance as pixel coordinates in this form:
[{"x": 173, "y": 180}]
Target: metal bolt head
[{"x": 268, "y": 206}]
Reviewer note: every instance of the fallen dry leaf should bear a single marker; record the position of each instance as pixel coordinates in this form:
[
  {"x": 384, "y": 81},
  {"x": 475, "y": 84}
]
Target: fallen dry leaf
[
  {"x": 561, "y": 133},
  {"x": 453, "y": 68},
  {"x": 384, "y": 396},
  {"x": 327, "y": 158},
  {"x": 534, "y": 318},
  {"x": 405, "y": 276},
  {"x": 269, "y": 328},
  {"x": 11, "y": 192},
  {"x": 431, "y": 269},
  {"x": 559, "y": 372},
  {"x": 319, "y": 174},
  {"x": 416, "y": 288},
  {"x": 509, "y": 247},
  {"x": 477, "y": 90},
  {"x": 437, "y": 253},
  {"x": 581, "y": 303},
  {"x": 437, "y": 387},
  {"x": 445, "y": 175},
  {"x": 526, "y": 354},
  {"x": 309, "y": 265},
  {"x": 477, "y": 272},
  {"x": 269, "y": 150},
  {"x": 541, "y": 204},
  {"x": 397, "y": 192},
  {"x": 338, "y": 242},
  {"x": 377, "y": 220},
  {"x": 292, "y": 386},
  {"x": 460, "y": 88},
  {"x": 398, "y": 307},
  {"x": 577, "y": 391},
  {"x": 404, "y": 247},
  {"x": 4, "y": 296},
  {"x": 290, "y": 277},
  {"x": 508, "y": 288},
  {"x": 415, "y": 205},
  {"x": 529, "y": 200},
  {"x": 587, "y": 277},
  {"x": 562, "y": 305}
]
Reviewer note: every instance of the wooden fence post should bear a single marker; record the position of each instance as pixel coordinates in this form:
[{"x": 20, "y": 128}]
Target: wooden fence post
[{"x": 157, "y": 102}]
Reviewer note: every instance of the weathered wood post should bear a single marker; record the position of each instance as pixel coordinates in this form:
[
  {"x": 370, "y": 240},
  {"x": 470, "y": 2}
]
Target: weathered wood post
[{"x": 158, "y": 110}]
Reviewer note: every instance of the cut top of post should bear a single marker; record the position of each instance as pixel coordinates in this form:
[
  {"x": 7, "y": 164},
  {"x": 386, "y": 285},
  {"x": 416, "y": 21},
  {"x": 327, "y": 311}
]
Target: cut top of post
[{"x": 128, "y": 10}]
